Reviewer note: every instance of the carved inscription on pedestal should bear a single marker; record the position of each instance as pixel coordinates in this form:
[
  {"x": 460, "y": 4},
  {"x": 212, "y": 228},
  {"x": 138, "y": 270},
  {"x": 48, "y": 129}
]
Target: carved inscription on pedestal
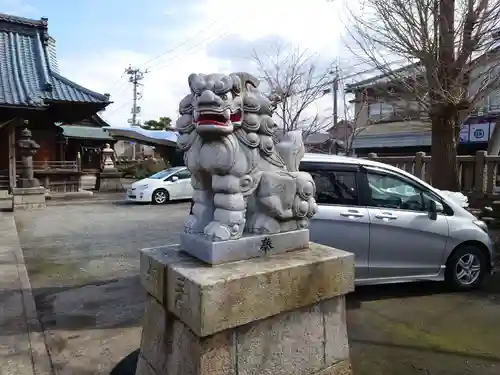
[
  {"x": 266, "y": 245},
  {"x": 179, "y": 292},
  {"x": 151, "y": 274},
  {"x": 152, "y": 277}
]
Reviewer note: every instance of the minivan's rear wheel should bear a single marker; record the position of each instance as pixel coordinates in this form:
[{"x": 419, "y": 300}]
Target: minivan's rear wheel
[
  {"x": 466, "y": 268},
  {"x": 160, "y": 196}
]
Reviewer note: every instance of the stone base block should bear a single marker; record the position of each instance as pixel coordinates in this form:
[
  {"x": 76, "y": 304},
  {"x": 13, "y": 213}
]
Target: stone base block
[
  {"x": 28, "y": 183},
  {"x": 28, "y": 198},
  {"x": 109, "y": 182},
  {"x": 281, "y": 315},
  {"x": 217, "y": 252}
]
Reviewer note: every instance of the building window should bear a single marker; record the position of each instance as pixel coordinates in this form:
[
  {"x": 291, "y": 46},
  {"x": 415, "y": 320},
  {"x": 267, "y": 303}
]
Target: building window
[
  {"x": 380, "y": 110},
  {"x": 494, "y": 101}
]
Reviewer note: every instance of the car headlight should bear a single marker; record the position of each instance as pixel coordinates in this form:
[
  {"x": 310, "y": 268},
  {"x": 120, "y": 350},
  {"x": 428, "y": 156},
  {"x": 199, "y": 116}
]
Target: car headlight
[
  {"x": 481, "y": 224},
  {"x": 142, "y": 187}
]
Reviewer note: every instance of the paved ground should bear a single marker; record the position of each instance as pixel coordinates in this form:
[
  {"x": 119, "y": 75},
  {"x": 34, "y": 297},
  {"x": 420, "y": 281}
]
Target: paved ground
[
  {"x": 422, "y": 329},
  {"x": 22, "y": 345},
  {"x": 83, "y": 265},
  {"x": 14, "y": 341}
]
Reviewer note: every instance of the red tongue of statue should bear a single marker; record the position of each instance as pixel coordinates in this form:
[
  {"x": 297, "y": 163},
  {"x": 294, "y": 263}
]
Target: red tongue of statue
[
  {"x": 210, "y": 122},
  {"x": 236, "y": 117}
]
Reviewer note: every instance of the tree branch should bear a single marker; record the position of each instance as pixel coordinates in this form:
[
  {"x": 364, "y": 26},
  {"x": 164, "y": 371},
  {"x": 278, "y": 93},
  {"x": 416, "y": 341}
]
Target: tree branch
[{"x": 295, "y": 82}]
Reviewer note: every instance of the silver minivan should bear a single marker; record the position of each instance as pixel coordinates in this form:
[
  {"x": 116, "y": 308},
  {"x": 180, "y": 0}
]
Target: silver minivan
[{"x": 400, "y": 228}]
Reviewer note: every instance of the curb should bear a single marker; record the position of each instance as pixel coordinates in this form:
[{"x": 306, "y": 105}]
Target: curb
[
  {"x": 40, "y": 357},
  {"x": 51, "y": 203},
  {"x": 111, "y": 198}
]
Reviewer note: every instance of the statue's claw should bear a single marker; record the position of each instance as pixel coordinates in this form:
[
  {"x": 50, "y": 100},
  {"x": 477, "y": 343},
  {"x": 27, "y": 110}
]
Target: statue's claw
[
  {"x": 193, "y": 225},
  {"x": 223, "y": 232},
  {"x": 264, "y": 224}
]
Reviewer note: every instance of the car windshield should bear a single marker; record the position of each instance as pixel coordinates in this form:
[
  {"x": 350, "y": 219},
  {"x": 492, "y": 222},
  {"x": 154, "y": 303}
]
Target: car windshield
[{"x": 163, "y": 174}]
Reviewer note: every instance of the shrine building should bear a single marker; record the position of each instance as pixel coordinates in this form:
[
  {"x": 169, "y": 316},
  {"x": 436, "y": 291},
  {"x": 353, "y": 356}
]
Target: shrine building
[{"x": 61, "y": 114}]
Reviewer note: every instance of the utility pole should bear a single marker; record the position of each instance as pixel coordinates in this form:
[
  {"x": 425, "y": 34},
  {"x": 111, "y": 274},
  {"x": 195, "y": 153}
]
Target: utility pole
[
  {"x": 335, "y": 89},
  {"x": 335, "y": 108},
  {"x": 136, "y": 75}
]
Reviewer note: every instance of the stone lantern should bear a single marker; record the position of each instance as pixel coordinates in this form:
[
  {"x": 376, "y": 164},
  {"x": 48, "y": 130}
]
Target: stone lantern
[
  {"x": 109, "y": 179},
  {"x": 29, "y": 194},
  {"x": 108, "y": 159},
  {"x": 27, "y": 148}
]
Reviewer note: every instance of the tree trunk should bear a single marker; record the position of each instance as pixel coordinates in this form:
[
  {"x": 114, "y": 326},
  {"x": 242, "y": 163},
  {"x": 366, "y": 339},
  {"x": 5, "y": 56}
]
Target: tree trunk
[{"x": 444, "y": 167}]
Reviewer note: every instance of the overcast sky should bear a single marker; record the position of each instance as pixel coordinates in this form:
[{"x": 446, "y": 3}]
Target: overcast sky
[{"x": 98, "y": 39}]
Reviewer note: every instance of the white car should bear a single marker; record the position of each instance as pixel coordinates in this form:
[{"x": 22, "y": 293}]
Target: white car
[{"x": 169, "y": 184}]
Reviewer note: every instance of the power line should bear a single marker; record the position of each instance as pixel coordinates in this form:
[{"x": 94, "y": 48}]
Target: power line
[
  {"x": 114, "y": 110},
  {"x": 130, "y": 71},
  {"x": 343, "y": 78},
  {"x": 176, "y": 47},
  {"x": 193, "y": 47}
]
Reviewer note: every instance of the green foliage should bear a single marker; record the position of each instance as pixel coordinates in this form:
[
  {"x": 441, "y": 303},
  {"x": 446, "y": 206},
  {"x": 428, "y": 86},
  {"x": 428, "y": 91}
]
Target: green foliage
[
  {"x": 163, "y": 123},
  {"x": 142, "y": 169}
]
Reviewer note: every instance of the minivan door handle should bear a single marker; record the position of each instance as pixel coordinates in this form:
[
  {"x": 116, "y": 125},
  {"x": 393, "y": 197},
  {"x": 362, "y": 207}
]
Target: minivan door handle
[
  {"x": 386, "y": 215},
  {"x": 351, "y": 213}
]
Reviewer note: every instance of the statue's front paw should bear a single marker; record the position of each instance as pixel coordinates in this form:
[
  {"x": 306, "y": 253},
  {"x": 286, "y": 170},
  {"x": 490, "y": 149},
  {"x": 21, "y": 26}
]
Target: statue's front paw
[
  {"x": 264, "y": 224},
  {"x": 193, "y": 225},
  {"x": 223, "y": 232}
]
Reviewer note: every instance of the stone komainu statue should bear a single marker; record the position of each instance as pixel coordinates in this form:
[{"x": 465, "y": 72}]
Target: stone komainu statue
[{"x": 245, "y": 178}]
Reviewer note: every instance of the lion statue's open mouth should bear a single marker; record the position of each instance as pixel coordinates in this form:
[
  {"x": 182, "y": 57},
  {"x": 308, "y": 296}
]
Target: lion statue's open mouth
[{"x": 218, "y": 119}]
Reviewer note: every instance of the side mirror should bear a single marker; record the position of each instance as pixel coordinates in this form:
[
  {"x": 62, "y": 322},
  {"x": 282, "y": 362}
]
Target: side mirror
[
  {"x": 434, "y": 209},
  {"x": 174, "y": 178}
]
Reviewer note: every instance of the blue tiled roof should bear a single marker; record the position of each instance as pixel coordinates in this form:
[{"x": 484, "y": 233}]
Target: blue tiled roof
[
  {"x": 85, "y": 132},
  {"x": 29, "y": 75},
  {"x": 151, "y": 137}
]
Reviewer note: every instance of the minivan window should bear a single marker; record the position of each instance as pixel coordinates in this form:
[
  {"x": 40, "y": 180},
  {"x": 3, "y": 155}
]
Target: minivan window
[
  {"x": 391, "y": 192},
  {"x": 335, "y": 187}
]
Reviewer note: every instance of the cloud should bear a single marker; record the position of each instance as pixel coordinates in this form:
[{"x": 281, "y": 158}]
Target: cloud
[
  {"x": 17, "y": 7},
  {"x": 214, "y": 35}
]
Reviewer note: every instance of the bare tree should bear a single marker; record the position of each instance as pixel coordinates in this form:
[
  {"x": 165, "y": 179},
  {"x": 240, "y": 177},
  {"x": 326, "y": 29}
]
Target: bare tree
[
  {"x": 452, "y": 53},
  {"x": 343, "y": 135},
  {"x": 295, "y": 81}
]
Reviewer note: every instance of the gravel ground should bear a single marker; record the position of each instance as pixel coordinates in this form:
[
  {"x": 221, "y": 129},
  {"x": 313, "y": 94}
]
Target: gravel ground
[{"x": 83, "y": 264}]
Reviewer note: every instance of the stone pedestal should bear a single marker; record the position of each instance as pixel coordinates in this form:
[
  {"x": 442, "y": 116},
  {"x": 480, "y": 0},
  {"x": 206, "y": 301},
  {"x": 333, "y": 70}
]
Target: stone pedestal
[
  {"x": 246, "y": 247},
  {"x": 280, "y": 314},
  {"x": 109, "y": 181},
  {"x": 28, "y": 183},
  {"x": 28, "y": 198}
]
